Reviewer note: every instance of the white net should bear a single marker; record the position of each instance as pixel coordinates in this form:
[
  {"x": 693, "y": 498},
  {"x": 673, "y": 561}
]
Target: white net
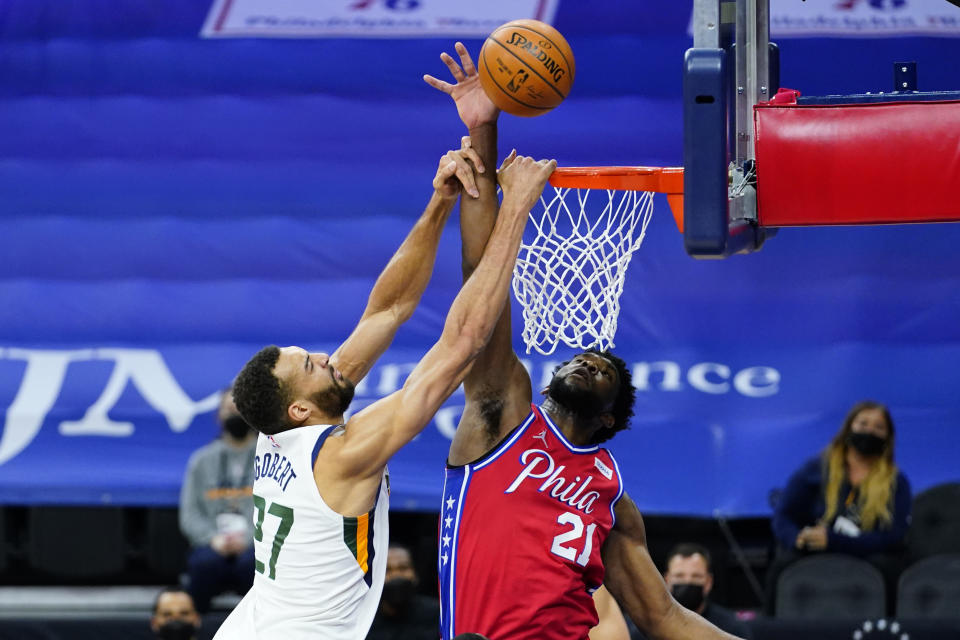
[{"x": 569, "y": 277}]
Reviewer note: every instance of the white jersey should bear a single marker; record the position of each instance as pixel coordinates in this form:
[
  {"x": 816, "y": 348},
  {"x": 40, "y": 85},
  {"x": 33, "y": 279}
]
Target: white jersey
[{"x": 318, "y": 574}]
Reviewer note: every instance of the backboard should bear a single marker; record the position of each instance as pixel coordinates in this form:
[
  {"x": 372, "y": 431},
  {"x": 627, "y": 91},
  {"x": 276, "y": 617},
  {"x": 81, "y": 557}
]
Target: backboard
[{"x": 810, "y": 147}]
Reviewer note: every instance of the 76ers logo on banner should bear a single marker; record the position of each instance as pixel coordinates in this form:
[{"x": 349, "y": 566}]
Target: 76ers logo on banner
[
  {"x": 876, "y": 4},
  {"x": 367, "y": 18},
  {"x": 393, "y": 5}
]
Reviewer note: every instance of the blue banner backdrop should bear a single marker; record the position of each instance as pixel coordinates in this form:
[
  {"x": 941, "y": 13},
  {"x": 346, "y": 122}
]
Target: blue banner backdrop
[{"x": 171, "y": 204}]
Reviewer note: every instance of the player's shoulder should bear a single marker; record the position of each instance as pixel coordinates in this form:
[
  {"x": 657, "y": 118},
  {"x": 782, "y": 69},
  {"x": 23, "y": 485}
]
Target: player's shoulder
[
  {"x": 607, "y": 463},
  {"x": 608, "y": 453},
  {"x": 628, "y": 520}
]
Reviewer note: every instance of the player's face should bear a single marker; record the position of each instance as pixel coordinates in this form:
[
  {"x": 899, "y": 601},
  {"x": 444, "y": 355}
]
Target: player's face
[
  {"x": 310, "y": 376},
  {"x": 587, "y": 385},
  {"x": 871, "y": 421},
  {"x": 175, "y": 606},
  {"x": 689, "y": 570}
]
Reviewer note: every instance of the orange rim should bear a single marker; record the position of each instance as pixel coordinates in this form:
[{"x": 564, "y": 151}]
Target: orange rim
[
  {"x": 668, "y": 180},
  {"x": 658, "y": 179}
]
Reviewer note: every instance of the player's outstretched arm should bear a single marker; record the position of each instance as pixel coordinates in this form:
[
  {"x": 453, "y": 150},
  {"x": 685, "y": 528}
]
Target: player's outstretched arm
[
  {"x": 376, "y": 433},
  {"x": 497, "y": 388},
  {"x": 632, "y": 578},
  {"x": 398, "y": 289}
]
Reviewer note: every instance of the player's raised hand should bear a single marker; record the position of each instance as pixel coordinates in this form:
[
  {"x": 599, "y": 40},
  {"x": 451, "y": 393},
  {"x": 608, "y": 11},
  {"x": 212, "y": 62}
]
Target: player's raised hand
[
  {"x": 456, "y": 171},
  {"x": 522, "y": 179},
  {"x": 473, "y": 105}
]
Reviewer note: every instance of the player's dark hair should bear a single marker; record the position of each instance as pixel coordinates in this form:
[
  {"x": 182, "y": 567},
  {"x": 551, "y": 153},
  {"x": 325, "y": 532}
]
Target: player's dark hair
[
  {"x": 623, "y": 404},
  {"x": 260, "y": 395},
  {"x": 163, "y": 592},
  {"x": 687, "y": 549}
]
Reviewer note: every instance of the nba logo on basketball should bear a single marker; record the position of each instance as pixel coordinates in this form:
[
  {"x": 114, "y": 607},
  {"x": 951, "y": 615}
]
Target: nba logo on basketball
[{"x": 517, "y": 81}]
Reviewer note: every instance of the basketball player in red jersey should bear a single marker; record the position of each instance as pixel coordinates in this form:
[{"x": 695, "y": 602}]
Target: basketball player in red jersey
[{"x": 534, "y": 517}]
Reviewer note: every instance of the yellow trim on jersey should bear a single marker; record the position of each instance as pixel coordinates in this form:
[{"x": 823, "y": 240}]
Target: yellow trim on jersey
[{"x": 362, "y": 523}]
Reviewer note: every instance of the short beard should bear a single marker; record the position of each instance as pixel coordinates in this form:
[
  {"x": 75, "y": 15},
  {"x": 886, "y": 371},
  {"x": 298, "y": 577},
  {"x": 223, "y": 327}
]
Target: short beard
[
  {"x": 583, "y": 403},
  {"x": 336, "y": 400}
]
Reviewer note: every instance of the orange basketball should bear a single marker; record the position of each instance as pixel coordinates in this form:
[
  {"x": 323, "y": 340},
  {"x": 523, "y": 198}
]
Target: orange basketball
[{"x": 526, "y": 67}]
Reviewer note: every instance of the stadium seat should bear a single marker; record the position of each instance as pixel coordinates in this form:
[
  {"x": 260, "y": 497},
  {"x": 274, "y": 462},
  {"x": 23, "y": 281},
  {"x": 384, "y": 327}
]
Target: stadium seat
[
  {"x": 830, "y": 587},
  {"x": 935, "y": 525},
  {"x": 166, "y": 549},
  {"x": 931, "y": 588},
  {"x": 76, "y": 542}
]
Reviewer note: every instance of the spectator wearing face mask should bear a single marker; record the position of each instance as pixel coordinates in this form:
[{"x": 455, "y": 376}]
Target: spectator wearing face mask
[
  {"x": 850, "y": 499},
  {"x": 404, "y": 614},
  {"x": 690, "y": 580},
  {"x": 174, "y": 616},
  {"x": 216, "y": 509}
]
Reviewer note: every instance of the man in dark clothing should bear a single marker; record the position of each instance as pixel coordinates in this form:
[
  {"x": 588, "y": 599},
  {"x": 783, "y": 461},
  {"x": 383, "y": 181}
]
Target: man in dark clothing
[
  {"x": 404, "y": 614},
  {"x": 690, "y": 580}
]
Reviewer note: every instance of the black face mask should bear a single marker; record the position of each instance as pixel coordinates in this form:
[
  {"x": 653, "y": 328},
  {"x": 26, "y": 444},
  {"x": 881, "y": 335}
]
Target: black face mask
[
  {"x": 867, "y": 444},
  {"x": 176, "y": 630},
  {"x": 236, "y": 427},
  {"x": 399, "y": 592},
  {"x": 688, "y": 595}
]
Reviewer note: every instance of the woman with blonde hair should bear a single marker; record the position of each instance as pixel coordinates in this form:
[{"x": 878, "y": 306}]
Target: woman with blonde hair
[{"x": 850, "y": 499}]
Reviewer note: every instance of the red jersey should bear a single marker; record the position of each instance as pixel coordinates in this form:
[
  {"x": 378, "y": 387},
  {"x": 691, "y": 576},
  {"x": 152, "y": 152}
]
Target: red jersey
[{"x": 520, "y": 536}]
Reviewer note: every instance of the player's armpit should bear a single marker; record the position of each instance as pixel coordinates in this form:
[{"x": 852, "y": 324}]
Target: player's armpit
[{"x": 498, "y": 397}]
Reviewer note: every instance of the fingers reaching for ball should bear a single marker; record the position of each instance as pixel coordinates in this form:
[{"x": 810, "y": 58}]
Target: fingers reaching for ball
[{"x": 473, "y": 105}]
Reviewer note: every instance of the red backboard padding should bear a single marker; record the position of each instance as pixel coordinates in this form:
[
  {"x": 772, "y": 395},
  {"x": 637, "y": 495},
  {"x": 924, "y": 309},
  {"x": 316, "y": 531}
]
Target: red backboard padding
[{"x": 878, "y": 163}]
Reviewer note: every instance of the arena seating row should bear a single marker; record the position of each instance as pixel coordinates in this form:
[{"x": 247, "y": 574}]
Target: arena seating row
[
  {"x": 762, "y": 629},
  {"x": 935, "y": 522},
  {"x": 830, "y": 586},
  {"x": 90, "y": 545},
  {"x": 143, "y": 546}
]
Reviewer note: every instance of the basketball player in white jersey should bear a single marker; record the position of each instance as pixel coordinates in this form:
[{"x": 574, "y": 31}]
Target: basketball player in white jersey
[{"x": 321, "y": 487}]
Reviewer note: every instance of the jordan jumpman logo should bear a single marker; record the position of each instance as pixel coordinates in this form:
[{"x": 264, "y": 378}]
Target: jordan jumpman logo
[{"x": 542, "y": 436}]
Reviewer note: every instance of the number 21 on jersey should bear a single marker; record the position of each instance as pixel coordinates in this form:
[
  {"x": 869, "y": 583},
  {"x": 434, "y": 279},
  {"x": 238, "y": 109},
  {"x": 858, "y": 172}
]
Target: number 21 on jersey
[{"x": 568, "y": 544}]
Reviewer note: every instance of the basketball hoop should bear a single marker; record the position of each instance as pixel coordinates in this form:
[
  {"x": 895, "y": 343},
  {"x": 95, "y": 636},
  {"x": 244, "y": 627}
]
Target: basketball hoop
[{"x": 569, "y": 275}]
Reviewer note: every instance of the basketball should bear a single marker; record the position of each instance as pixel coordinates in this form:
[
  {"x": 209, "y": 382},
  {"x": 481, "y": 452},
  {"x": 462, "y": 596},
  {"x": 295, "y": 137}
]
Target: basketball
[{"x": 526, "y": 67}]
